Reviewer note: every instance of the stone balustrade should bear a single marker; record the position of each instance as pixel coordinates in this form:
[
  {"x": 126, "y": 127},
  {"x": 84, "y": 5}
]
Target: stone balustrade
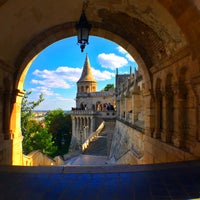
[
  {"x": 93, "y": 136},
  {"x": 83, "y": 112}
]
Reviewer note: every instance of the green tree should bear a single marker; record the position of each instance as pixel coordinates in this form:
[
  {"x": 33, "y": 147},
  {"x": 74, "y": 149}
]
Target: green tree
[
  {"x": 108, "y": 87},
  {"x": 59, "y": 125},
  {"x": 36, "y": 136},
  {"x": 27, "y": 108}
]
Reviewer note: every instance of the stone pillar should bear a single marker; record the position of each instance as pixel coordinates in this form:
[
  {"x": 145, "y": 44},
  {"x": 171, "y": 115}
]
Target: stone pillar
[
  {"x": 118, "y": 107},
  {"x": 1, "y": 117},
  {"x": 158, "y": 115},
  {"x": 15, "y": 128},
  {"x": 6, "y": 113},
  {"x": 168, "y": 117},
  {"x": 74, "y": 126},
  {"x": 179, "y": 139},
  {"x": 198, "y": 122},
  {"x": 91, "y": 125},
  {"x": 85, "y": 129},
  {"x": 79, "y": 127},
  {"x": 136, "y": 107},
  {"x": 149, "y": 116},
  {"x": 120, "y": 111},
  {"x": 128, "y": 109}
]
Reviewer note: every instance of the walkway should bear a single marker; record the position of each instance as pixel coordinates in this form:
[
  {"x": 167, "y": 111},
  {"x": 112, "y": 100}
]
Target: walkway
[
  {"x": 82, "y": 160},
  {"x": 151, "y": 182}
]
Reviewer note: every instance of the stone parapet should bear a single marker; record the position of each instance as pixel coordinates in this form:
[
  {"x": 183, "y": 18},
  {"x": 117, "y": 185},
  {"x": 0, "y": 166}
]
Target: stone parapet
[
  {"x": 96, "y": 94},
  {"x": 83, "y": 112}
]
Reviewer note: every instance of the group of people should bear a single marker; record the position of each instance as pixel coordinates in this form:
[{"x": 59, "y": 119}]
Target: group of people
[
  {"x": 105, "y": 107},
  {"x": 99, "y": 107}
]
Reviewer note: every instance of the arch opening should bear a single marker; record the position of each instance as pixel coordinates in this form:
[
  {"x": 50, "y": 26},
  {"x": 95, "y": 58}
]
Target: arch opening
[{"x": 21, "y": 82}]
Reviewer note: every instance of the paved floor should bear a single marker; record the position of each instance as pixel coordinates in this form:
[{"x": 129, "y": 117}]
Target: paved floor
[
  {"x": 82, "y": 160},
  {"x": 175, "y": 181}
]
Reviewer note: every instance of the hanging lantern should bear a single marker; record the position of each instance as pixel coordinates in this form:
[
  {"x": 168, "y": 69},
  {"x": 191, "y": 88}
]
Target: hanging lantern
[{"x": 83, "y": 30}]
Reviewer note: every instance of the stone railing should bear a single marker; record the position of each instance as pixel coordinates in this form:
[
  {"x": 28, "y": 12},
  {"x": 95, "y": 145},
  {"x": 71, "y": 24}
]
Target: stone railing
[
  {"x": 139, "y": 125},
  {"x": 93, "y": 136},
  {"x": 96, "y": 94},
  {"x": 37, "y": 158},
  {"x": 107, "y": 114},
  {"x": 83, "y": 112},
  {"x": 102, "y": 114}
]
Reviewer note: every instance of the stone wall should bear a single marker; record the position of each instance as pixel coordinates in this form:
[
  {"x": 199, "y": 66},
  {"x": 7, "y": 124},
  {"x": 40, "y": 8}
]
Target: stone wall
[
  {"x": 127, "y": 145},
  {"x": 10, "y": 130},
  {"x": 130, "y": 146},
  {"x": 37, "y": 158}
]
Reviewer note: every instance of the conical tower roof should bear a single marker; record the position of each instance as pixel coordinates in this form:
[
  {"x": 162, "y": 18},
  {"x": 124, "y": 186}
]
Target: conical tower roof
[{"x": 87, "y": 72}]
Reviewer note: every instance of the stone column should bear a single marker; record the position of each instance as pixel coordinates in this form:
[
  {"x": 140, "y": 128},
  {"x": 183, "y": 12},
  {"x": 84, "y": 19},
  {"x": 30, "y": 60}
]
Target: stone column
[
  {"x": 149, "y": 116},
  {"x": 198, "y": 122},
  {"x": 128, "y": 109},
  {"x": 6, "y": 114},
  {"x": 73, "y": 126},
  {"x": 179, "y": 141},
  {"x": 120, "y": 110},
  {"x": 136, "y": 107},
  {"x": 118, "y": 107},
  {"x": 1, "y": 116},
  {"x": 15, "y": 128},
  {"x": 91, "y": 125},
  {"x": 158, "y": 114},
  {"x": 182, "y": 114},
  {"x": 168, "y": 120}
]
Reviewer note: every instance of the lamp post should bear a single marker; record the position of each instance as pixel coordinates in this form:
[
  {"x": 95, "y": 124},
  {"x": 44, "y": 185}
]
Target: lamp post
[{"x": 83, "y": 29}]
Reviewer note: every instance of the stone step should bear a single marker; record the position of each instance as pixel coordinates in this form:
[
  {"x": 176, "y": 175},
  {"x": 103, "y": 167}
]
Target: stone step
[{"x": 98, "y": 147}]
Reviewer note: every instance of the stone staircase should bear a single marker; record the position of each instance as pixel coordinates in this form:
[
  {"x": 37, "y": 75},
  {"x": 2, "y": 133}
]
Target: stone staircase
[{"x": 98, "y": 146}]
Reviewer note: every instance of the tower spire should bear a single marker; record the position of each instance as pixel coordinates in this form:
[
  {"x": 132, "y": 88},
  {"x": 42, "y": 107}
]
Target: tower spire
[{"x": 87, "y": 72}]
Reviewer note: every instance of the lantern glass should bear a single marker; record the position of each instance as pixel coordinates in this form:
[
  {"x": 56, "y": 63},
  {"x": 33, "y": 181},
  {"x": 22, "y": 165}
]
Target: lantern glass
[{"x": 83, "y": 29}]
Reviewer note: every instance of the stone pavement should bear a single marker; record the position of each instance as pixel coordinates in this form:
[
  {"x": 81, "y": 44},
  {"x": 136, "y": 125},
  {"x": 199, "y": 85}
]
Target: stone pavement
[
  {"x": 175, "y": 181},
  {"x": 91, "y": 160}
]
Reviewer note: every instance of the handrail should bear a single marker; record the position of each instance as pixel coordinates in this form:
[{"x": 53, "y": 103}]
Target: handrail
[{"x": 93, "y": 136}]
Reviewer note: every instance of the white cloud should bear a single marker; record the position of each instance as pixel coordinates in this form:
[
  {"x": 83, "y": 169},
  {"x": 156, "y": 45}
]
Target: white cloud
[
  {"x": 62, "y": 78},
  {"x": 123, "y": 51},
  {"x": 130, "y": 58},
  {"x": 69, "y": 74},
  {"x": 55, "y": 82},
  {"x": 64, "y": 99},
  {"x": 45, "y": 90},
  {"x": 101, "y": 76},
  {"x": 111, "y": 61}
]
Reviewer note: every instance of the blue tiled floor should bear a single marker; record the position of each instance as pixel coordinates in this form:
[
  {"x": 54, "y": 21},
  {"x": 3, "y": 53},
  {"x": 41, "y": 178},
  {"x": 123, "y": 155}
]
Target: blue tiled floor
[{"x": 170, "y": 182}]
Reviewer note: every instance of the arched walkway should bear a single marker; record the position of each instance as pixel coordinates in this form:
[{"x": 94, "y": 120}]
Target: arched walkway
[{"x": 162, "y": 36}]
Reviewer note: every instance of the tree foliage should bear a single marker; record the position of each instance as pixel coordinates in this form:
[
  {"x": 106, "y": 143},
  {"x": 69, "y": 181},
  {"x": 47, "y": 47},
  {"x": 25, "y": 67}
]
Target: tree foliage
[
  {"x": 108, "y": 87},
  {"x": 27, "y": 108},
  {"x": 59, "y": 125},
  {"x": 36, "y": 136}
]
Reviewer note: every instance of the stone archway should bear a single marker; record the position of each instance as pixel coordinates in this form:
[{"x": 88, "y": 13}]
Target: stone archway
[
  {"x": 158, "y": 34},
  {"x": 28, "y": 55}
]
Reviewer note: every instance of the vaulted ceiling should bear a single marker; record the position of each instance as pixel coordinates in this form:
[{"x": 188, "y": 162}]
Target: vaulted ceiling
[{"x": 154, "y": 28}]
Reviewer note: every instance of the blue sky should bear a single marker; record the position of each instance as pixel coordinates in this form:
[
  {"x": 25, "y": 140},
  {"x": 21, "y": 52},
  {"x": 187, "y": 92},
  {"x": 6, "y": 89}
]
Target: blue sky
[{"x": 58, "y": 67}]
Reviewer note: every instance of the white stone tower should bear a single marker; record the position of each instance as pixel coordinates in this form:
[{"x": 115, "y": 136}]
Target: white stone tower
[{"x": 90, "y": 108}]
